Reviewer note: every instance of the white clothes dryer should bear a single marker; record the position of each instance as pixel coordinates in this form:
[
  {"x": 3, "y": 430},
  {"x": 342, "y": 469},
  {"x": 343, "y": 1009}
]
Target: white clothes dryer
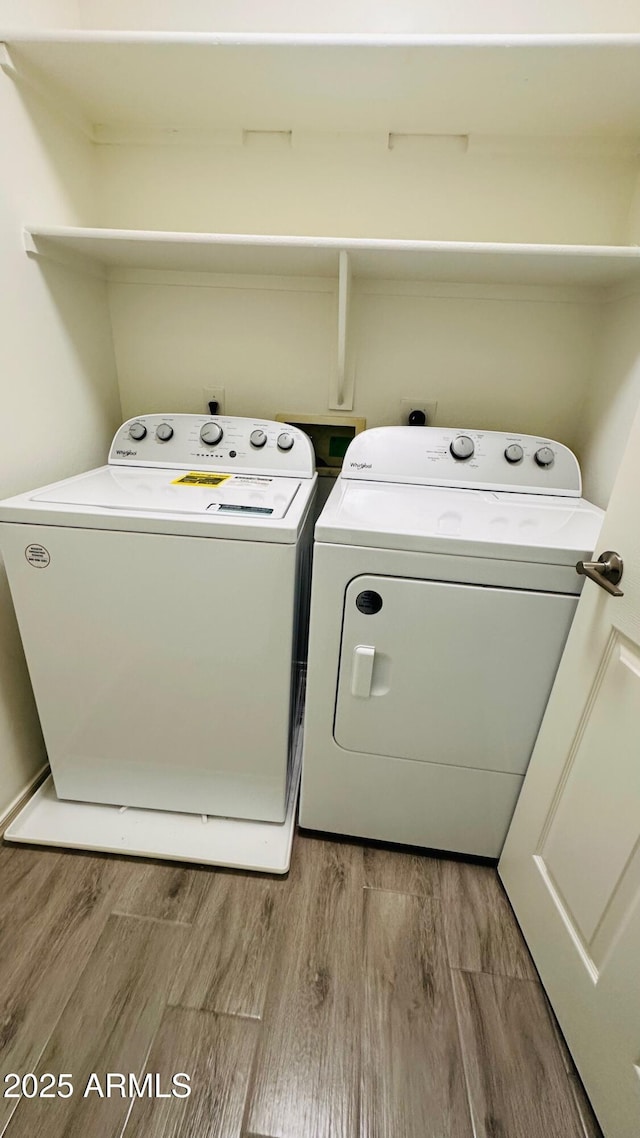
[
  {"x": 443, "y": 590},
  {"x": 162, "y": 603}
]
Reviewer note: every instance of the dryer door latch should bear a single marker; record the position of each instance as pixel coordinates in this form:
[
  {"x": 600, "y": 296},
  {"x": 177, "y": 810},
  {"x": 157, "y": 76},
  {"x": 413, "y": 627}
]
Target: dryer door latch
[{"x": 362, "y": 670}]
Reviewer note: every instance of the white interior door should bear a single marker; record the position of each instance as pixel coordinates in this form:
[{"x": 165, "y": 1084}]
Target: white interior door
[{"x": 571, "y": 862}]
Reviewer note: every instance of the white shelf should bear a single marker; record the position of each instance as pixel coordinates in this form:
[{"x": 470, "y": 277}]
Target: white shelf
[
  {"x": 535, "y": 85},
  {"x": 104, "y": 250}
]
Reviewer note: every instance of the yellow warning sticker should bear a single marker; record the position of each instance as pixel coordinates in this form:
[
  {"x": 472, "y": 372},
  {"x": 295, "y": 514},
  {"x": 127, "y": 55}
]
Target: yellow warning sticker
[{"x": 201, "y": 478}]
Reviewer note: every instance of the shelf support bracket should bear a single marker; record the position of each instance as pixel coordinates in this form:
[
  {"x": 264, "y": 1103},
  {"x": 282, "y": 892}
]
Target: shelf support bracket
[
  {"x": 39, "y": 247},
  {"x": 341, "y": 399},
  {"x": 6, "y": 62},
  {"x": 50, "y": 94}
]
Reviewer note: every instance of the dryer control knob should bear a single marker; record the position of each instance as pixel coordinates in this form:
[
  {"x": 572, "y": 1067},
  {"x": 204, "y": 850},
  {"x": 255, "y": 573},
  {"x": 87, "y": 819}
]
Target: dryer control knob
[
  {"x": 257, "y": 439},
  {"x": 544, "y": 456},
  {"x": 137, "y": 431},
  {"x": 164, "y": 432},
  {"x": 211, "y": 434},
  {"x": 514, "y": 453},
  {"x": 462, "y": 447},
  {"x": 285, "y": 441}
]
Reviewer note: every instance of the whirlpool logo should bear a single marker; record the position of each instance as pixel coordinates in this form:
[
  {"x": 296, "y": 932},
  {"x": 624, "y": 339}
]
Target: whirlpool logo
[
  {"x": 360, "y": 465},
  {"x": 126, "y": 453}
]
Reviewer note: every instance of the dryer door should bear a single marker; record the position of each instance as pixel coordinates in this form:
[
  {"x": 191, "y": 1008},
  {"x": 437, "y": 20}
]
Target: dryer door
[{"x": 446, "y": 673}]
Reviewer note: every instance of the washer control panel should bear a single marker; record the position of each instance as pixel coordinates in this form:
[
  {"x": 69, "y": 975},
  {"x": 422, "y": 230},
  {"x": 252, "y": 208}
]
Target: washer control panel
[
  {"x": 213, "y": 442},
  {"x": 482, "y": 460}
]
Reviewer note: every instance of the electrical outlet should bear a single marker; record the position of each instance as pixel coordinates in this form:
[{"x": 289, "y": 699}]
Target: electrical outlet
[
  {"x": 409, "y": 405},
  {"x": 208, "y": 396}
]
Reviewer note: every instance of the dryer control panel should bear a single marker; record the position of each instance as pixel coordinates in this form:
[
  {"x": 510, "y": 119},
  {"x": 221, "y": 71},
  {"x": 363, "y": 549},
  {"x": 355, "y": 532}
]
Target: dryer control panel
[
  {"x": 479, "y": 460},
  {"x": 221, "y": 442}
]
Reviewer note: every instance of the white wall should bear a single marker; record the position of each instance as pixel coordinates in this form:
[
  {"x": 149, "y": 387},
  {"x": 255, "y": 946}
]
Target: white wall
[
  {"x": 515, "y": 359},
  {"x": 512, "y": 359},
  {"x": 272, "y": 346},
  {"x": 359, "y": 190},
  {"x": 59, "y": 395},
  {"x": 613, "y": 397},
  {"x": 39, "y": 13},
  {"x": 614, "y": 392},
  {"x": 633, "y": 222},
  {"x": 364, "y": 15}
]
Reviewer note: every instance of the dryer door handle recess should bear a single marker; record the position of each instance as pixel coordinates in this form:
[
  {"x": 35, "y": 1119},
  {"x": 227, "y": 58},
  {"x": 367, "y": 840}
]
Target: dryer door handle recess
[{"x": 362, "y": 670}]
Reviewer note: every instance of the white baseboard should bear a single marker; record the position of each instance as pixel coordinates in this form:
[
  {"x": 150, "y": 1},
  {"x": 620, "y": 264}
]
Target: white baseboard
[{"x": 23, "y": 797}]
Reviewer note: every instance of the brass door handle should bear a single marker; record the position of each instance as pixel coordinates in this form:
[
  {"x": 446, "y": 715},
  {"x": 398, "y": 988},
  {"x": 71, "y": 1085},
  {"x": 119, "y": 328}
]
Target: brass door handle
[{"x": 606, "y": 572}]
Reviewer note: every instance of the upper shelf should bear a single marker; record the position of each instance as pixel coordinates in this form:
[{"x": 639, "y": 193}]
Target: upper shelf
[
  {"x": 579, "y": 85},
  {"x": 444, "y": 261}
]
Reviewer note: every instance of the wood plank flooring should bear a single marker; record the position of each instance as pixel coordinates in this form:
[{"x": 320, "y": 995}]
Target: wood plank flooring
[
  {"x": 508, "y": 1019},
  {"x": 372, "y": 993},
  {"x": 482, "y": 935},
  {"x": 108, "y": 1025},
  {"x": 217, "y": 1052},
  {"x": 411, "y": 1076},
  {"x": 307, "y": 1066},
  {"x": 229, "y": 970}
]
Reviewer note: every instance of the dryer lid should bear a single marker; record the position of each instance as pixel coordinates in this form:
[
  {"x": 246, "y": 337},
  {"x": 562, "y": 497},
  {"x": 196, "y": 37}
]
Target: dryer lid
[{"x": 474, "y": 523}]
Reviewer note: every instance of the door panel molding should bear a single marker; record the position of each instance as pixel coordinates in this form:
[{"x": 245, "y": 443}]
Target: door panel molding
[
  {"x": 594, "y": 691},
  {"x": 583, "y": 856}
]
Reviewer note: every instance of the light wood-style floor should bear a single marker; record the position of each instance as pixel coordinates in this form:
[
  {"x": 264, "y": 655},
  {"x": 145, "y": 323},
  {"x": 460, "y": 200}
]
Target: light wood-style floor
[{"x": 370, "y": 994}]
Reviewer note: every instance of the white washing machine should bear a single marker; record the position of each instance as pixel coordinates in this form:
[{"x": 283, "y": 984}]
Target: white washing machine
[
  {"x": 162, "y": 602},
  {"x": 444, "y": 587}
]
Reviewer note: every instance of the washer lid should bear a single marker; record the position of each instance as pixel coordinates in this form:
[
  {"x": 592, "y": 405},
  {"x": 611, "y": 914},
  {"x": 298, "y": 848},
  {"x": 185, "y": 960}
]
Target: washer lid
[
  {"x": 474, "y": 523},
  {"x": 149, "y": 490}
]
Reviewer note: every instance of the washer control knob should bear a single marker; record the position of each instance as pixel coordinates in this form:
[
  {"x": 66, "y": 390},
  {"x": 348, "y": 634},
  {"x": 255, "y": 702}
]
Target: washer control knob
[
  {"x": 544, "y": 456},
  {"x": 211, "y": 434},
  {"x": 137, "y": 431},
  {"x": 514, "y": 453},
  {"x": 164, "y": 432},
  {"x": 285, "y": 441},
  {"x": 462, "y": 447},
  {"x": 257, "y": 439}
]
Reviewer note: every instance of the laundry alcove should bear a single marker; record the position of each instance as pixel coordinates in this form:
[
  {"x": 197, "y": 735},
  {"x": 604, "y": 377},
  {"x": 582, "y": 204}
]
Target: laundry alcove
[{"x": 319, "y": 223}]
